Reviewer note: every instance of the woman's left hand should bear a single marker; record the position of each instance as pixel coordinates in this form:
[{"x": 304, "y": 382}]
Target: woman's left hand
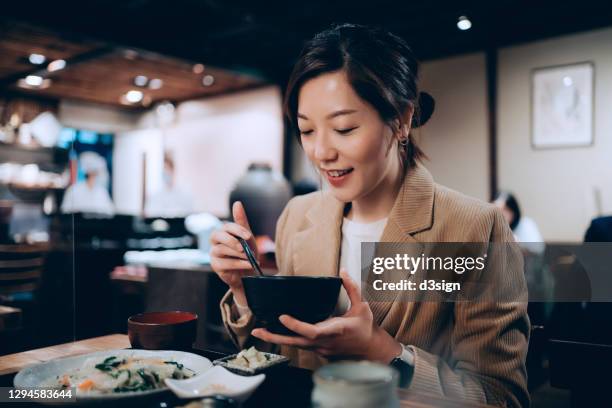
[{"x": 353, "y": 334}]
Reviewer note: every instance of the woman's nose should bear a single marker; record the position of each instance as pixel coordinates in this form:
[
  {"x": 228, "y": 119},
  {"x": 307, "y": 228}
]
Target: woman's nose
[{"x": 323, "y": 149}]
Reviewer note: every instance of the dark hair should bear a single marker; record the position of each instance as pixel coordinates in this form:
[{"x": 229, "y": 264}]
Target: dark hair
[
  {"x": 510, "y": 201},
  {"x": 380, "y": 67}
]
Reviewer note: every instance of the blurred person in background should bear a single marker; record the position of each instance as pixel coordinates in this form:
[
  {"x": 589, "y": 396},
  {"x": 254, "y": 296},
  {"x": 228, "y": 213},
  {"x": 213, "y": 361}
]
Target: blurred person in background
[
  {"x": 524, "y": 228},
  {"x": 600, "y": 230},
  {"x": 170, "y": 201},
  {"x": 89, "y": 195}
]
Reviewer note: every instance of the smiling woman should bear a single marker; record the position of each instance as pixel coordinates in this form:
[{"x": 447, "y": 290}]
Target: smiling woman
[{"x": 353, "y": 100}]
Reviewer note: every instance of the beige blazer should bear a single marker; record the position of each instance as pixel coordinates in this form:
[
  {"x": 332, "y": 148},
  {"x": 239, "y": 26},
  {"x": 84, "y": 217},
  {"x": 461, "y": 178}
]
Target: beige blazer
[{"x": 467, "y": 350}]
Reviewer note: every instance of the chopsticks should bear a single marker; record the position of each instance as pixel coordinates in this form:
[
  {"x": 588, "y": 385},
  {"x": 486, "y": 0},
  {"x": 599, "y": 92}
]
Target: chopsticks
[{"x": 250, "y": 256}]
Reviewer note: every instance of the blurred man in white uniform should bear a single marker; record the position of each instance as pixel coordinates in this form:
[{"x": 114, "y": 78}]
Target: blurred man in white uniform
[{"x": 91, "y": 195}]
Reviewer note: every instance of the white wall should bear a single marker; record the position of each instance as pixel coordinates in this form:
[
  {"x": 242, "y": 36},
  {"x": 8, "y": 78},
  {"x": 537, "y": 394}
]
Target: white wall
[
  {"x": 456, "y": 137},
  {"x": 555, "y": 186},
  {"x": 212, "y": 141},
  {"x": 129, "y": 152}
]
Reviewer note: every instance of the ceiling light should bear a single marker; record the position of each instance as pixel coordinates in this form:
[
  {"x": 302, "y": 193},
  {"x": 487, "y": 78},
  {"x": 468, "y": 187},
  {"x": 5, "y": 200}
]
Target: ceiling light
[
  {"x": 198, "y": 68},
  {"x": 34, "y": 80},
  {"x": 37, "y": 59},
  {"x": 133, "y": 96},
  {"x": 56, "y": 65},
  {"x": 141, "y": 81},
  {"x": 156, "y": 83},
  {"x": 464, "y": 23},
  {"x": 208, "y": 80},
  {"x": 567, "y": 81}
]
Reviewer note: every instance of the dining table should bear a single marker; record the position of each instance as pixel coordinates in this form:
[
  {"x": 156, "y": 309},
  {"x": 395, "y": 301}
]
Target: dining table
[{"x": 284, "y": 387}]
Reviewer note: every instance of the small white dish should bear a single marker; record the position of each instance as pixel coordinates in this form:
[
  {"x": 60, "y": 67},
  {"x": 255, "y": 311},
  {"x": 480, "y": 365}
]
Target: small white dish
[{"x": 217, "y": 381}]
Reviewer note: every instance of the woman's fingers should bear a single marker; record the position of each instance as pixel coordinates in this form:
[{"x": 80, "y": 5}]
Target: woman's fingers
[
  {"x": 237, "y": 230},
  {"x": 229, "y": 264},
  {"x": 311, "y": 331},
  {"x": 296, "y": 341},
  {"x": 223, "y": 251},
  {"x": 240, "y": 216},
  {"x": 224, "y": 238},
  {"x": 352, "y": 290}
]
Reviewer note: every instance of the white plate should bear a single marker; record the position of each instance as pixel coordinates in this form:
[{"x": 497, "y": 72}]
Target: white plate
[
  {"x": 216, "y": 381},
  {"x": 38, "y": 375}
]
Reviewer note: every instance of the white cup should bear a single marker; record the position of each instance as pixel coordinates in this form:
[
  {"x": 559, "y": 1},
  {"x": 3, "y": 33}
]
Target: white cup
[{"x": 355, "y": 384}]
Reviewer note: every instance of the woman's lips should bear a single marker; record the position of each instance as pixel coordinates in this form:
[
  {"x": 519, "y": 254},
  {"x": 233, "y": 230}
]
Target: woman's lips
[{"x": 338, "y": 177}]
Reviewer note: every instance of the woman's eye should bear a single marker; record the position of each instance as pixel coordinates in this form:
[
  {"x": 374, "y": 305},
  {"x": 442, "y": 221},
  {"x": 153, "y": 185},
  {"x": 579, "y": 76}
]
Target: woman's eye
[
  {"x": 305, "y": 132},
  {"x": 346, "y": 131}
]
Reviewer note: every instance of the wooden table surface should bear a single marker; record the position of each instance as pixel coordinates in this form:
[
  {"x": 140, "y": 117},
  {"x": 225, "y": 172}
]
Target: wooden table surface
[{"x": 12, "y": 363}]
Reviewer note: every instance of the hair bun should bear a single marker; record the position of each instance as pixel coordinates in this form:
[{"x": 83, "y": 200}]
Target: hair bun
[{"x": 426, "y": 105}]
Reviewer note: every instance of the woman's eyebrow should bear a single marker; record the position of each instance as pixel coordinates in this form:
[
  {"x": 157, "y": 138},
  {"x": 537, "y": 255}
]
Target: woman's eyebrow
[{"x": 331, "y": 115}]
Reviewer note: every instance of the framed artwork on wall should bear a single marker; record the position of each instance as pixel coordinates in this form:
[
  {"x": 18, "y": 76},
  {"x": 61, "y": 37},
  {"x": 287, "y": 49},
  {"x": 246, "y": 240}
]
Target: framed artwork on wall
[{"x": 562, "y": 106}]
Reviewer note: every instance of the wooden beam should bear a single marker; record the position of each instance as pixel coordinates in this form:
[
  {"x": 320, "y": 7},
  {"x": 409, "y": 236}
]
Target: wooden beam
[{"x": 491, "y": 69}]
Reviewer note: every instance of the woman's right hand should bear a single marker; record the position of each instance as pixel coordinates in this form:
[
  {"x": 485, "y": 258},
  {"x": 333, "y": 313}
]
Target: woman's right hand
[{"x": 227, "y": 258}]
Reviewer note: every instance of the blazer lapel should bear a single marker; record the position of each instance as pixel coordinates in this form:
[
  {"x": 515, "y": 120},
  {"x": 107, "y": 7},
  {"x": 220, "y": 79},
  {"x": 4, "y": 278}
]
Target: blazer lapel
[
  {"x": 316, "y": 250},
  {"x": 411, "y": 213}
]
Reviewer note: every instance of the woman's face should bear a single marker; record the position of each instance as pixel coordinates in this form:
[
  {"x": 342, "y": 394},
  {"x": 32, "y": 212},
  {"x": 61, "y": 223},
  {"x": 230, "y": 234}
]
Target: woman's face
[{"x": 344, "y": 137}]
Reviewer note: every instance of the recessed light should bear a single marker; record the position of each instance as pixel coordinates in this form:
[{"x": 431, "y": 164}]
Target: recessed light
[
  {"x": 464, "y": 23},
  {"x": 37, "y": 59},
  {"x": 141, "y": 81},
  {"x": 208, "y": 80},
  {"x": 156, "y": 83},
  {"x": 133, "y": 96},
  {"x": 34, "y": 80},
  {"x": 567, "y": 81},
  {"x": 56, "y": 65},
  {"x": 198, "y": 68}
]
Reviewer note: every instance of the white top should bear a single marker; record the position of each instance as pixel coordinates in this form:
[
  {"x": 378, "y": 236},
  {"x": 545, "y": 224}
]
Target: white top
[
  {"x": 353, "y": 234},
  {"x": 80, "y": 197},
  {"x": 527, "y": 231},
  {"x": 528, "y": 235}
]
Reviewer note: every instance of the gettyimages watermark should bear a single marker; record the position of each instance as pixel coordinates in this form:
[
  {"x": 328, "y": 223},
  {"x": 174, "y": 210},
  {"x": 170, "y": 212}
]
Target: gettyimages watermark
[{"x": 486, "y": 272}]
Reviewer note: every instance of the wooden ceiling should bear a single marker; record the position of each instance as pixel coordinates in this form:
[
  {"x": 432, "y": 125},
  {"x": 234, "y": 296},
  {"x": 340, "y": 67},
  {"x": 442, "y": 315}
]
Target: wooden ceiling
[
  {"x": 103, "y": 73},
  {"x": 264, "y": 38}
]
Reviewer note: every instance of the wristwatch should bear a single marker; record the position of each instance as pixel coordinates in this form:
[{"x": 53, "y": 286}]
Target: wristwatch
[{"x": 404, "y": 364}]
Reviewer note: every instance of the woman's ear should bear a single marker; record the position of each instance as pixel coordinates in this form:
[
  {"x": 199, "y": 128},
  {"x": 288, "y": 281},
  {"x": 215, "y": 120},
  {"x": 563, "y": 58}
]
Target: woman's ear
[
  {"x": 405, "y": 124},
  {"x": 407, "y": 117}
]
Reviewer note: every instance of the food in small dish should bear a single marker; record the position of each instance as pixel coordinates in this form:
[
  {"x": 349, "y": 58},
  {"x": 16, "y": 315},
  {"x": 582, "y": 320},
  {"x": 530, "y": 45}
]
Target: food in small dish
[
  {"x": 251, "y": 361},
  {"x": 250, "y": 358}
]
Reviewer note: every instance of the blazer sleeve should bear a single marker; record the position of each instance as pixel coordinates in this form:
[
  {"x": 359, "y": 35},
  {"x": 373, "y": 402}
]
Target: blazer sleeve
[
  {"x": 488, "y": 343},
  {"x": 239, "y": 327}
]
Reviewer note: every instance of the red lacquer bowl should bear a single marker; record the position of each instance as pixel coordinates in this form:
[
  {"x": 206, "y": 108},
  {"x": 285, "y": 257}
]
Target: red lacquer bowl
[{"x": 174, "y": 330}]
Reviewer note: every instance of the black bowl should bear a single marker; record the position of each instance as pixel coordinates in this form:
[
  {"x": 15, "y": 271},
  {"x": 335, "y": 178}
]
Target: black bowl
[{"x": 307, "y": 298}]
